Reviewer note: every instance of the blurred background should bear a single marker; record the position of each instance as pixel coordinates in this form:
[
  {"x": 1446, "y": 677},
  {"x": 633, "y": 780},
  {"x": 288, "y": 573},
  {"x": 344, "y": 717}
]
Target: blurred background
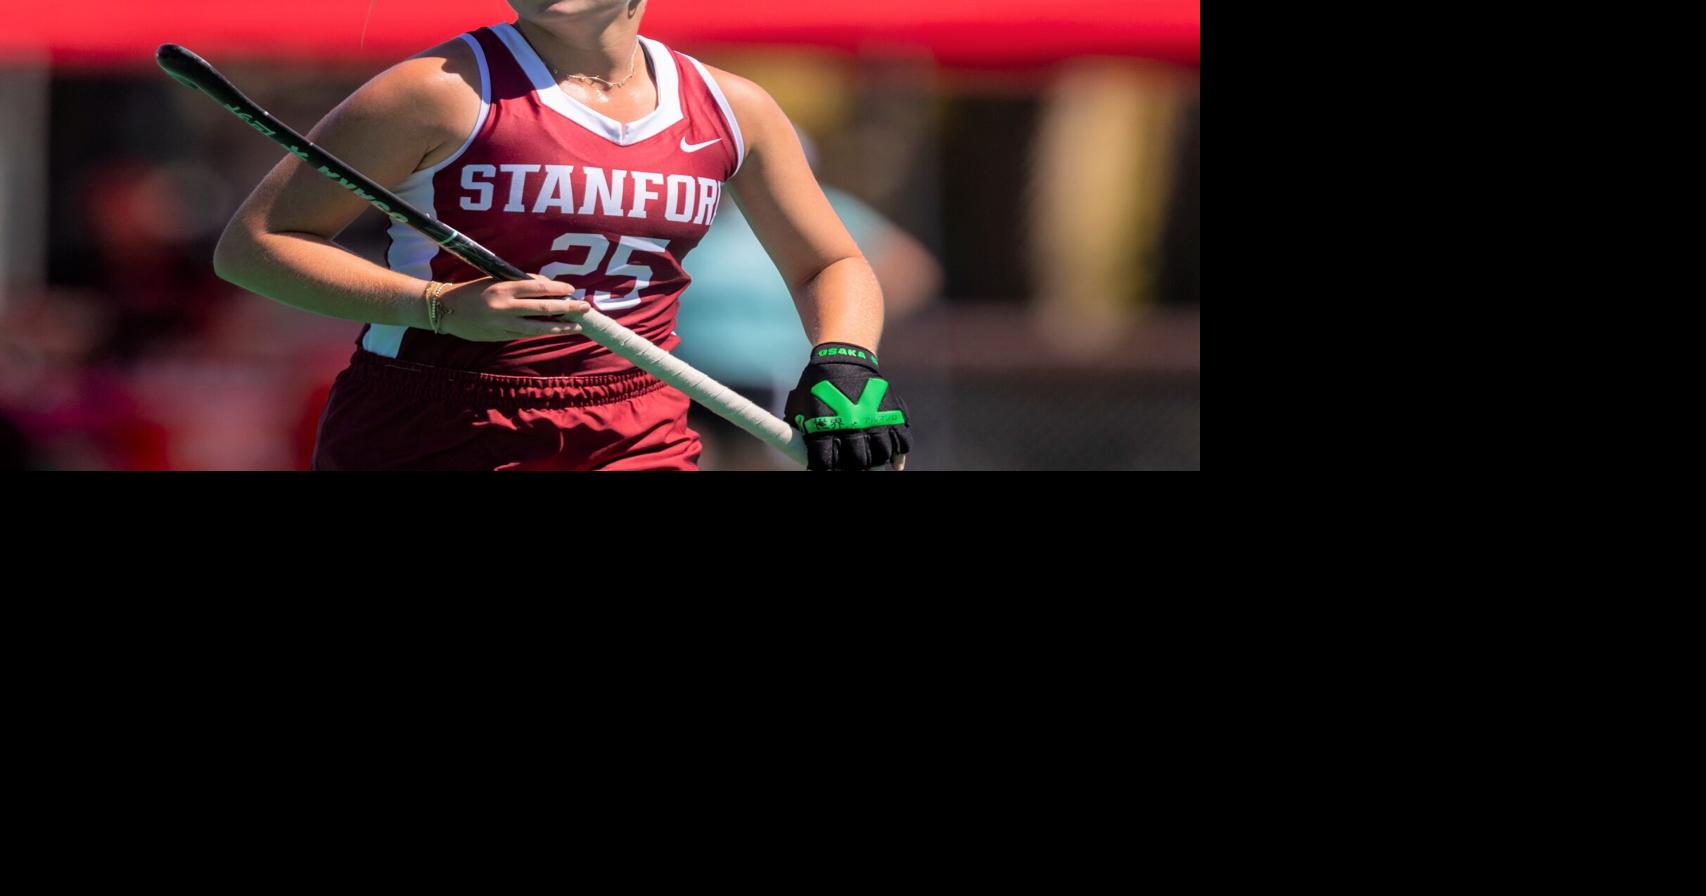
[{"x": 1023, "y": 174}]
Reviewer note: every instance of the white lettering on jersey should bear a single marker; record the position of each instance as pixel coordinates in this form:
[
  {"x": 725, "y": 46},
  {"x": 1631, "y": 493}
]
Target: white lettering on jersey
[
  {"x": 469, "y": 173},
  {"x": 556, "y": 192},
  {"x": 709, "y": 192},
  {"x": 681, "y": 189},
  {"x": 517, "y": 181},
  {"x": 685, "y": 198},
  {"x": 621, "y": 265},
  {"x": 607, "y": 194},
  {"x": 643, "y": 195},
  {"x": 595, "y": 244}
]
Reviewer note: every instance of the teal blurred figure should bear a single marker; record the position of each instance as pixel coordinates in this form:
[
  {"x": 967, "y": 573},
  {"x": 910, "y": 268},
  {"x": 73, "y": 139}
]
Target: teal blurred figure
[{"x": 738, "y": 322}]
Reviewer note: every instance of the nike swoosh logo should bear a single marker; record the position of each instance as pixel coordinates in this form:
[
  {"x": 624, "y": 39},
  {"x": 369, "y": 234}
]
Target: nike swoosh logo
[{"x": 695, "y": 147}]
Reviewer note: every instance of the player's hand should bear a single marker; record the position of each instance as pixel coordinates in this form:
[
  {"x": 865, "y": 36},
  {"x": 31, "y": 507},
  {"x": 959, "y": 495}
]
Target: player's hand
[
  {"x": 490, "y": 310},
  {"x": 851, "y": 418}
]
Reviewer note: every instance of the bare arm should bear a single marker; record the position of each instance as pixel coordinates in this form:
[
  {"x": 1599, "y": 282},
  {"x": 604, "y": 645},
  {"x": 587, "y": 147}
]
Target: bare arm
[
  {"x": 833, "y": 286},
  {"x": 410, "y": 117}
]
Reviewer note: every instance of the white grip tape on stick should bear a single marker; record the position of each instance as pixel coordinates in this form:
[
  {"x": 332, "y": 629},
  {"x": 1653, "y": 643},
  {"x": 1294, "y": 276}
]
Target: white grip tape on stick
[{"x": 722, "y": 400}]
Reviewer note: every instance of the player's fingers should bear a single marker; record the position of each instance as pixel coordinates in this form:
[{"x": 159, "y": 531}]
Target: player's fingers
[
  {"x": 877, "y": 447},
  {"x": 546, "y": 307},
  {"x": 540, "y": 286},
  {"x": 522, "y": 326},
  {"x": 855, "y": 452},
  {"x": 820, "y": 454},
  {"x": 900, "y": 441},
  {"x": 899, "y": 463}
]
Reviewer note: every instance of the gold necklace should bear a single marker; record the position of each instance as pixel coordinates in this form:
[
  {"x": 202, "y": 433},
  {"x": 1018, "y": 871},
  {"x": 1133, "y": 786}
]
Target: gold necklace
[{"x": 633, "y": 66}]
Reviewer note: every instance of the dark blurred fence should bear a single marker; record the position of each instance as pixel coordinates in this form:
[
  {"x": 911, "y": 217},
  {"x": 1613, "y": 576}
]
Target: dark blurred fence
[{"x": 989, "y": 393}]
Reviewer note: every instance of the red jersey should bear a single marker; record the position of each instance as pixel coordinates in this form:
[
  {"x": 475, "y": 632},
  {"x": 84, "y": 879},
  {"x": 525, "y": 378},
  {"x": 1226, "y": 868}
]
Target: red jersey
[{"x": 556, "y": 188}]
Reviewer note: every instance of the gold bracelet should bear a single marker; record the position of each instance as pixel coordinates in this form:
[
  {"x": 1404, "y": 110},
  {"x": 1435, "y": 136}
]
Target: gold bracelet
[
  {"x": 432, "y": 315},
  {"x": 437, "y": 311}
]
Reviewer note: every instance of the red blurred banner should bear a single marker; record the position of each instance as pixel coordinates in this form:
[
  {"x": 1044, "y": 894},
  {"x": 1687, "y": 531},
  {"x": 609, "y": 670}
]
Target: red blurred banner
[{"x": 956, "y": 32}]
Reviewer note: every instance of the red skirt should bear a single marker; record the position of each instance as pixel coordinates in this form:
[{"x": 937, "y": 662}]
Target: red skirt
[{"x": 386, "y": 414}]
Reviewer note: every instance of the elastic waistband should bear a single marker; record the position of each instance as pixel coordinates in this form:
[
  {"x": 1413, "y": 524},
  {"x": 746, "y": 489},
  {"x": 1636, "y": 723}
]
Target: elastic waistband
[{"x": 426, "y": 381}]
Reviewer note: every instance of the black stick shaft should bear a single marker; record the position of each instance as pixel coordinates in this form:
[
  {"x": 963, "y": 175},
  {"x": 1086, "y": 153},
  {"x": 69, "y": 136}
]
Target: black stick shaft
[{"x": 194, "y": 71}]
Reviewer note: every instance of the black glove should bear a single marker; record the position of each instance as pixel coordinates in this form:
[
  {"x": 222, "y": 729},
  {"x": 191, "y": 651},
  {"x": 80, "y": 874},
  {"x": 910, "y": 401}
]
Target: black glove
[{"x": 851, "y": 419}]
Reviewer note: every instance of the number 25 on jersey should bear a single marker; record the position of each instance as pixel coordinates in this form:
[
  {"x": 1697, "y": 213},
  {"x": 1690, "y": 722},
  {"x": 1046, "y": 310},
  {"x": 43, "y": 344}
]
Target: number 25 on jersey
[{"x": 621, "y": 266}]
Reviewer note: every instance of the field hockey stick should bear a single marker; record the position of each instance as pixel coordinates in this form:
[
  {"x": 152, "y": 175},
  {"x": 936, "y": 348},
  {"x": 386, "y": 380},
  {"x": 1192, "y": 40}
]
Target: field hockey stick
[{"x": 194, "y": 71}]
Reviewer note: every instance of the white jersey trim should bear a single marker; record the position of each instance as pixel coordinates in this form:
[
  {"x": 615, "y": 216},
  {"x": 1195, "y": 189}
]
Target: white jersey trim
[
  {"x": 485, "y": 108},
  {"x": 411, "y": 251},
  {"x": 728, "y": 113},
  {"x": 545, "y": 86}
]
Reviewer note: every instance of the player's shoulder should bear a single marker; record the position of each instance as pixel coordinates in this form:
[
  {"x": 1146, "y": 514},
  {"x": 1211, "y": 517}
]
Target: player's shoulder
[
  {"x": 740, "y": 92},
  {"x": 753, "y": 106},
  {"x": 430, "y": 81},
  {"x": 433, "y": 89},
  {"x": 448, "y": 71}
]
